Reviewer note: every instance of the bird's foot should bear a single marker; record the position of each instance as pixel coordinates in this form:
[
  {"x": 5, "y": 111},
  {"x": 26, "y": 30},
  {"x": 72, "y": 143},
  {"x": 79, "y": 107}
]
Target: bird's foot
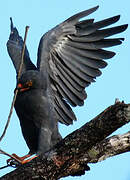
[{"x": 16, "y": 161}]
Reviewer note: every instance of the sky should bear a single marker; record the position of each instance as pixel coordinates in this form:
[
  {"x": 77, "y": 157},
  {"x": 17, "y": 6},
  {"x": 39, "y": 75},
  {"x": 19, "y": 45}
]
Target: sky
[{"x": 41, "y": 16}]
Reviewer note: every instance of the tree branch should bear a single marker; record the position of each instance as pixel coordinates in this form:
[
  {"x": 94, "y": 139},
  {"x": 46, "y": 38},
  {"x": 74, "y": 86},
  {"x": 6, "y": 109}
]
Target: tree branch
[
  {"x": 109, "y": 147},
  {"x": 87, "y": 144}
]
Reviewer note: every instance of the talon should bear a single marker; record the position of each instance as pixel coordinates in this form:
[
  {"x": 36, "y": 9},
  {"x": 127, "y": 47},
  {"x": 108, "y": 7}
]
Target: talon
[
  {"x": 13, "y": 157},
  {"x": 13, "y": 163}
]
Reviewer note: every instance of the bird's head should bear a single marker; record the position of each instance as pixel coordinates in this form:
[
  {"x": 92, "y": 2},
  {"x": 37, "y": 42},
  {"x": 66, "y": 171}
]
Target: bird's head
[{"x": 30, "y": 80}]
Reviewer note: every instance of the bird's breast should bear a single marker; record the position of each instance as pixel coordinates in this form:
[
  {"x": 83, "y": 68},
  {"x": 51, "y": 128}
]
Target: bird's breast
[{"x": 34, "y": 105}]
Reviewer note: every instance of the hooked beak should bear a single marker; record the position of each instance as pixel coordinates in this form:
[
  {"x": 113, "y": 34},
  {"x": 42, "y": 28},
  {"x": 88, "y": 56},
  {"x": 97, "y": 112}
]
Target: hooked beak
[{"x": 19, "y": 86}]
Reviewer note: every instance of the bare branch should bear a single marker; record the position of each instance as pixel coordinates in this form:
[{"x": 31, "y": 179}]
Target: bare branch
[
  {"x": 16, "y": 92},
  {"x": 109, "y": 147}
]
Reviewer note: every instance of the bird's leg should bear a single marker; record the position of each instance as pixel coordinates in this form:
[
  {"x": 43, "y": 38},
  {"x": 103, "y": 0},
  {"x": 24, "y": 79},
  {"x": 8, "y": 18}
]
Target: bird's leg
[
  {"x": 28, "y": 160},
  {"x": 11, "y": 156},
  {"x": 21, "y": 160},
  {"x": 16, "y": 158}
]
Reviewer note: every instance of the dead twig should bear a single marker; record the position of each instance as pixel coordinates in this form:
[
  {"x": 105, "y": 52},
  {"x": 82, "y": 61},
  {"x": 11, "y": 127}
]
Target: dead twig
[{"x": 16, "y": 92}]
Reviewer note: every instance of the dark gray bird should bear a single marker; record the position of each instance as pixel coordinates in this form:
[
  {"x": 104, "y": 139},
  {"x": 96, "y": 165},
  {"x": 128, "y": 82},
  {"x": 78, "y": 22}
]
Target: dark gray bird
[{"x": 70, "y": 57}]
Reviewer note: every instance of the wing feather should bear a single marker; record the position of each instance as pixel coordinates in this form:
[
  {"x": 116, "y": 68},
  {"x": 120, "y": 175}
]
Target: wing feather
[
  {"x": 73, "y": 76},
  {"x": 104, "y": 43},
  {"x": 99, "y": 34}
]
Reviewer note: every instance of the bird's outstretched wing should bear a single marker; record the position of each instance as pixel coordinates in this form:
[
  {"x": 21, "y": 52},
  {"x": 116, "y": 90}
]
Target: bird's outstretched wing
[
  {"x": 71, "y": 54},
  {"x": 14, "y": 47}
]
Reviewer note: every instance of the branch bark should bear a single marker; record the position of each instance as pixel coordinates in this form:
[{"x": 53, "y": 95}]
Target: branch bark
[
  {"x": 85, "y": 145},
  {"x": 109, "y": 147}
]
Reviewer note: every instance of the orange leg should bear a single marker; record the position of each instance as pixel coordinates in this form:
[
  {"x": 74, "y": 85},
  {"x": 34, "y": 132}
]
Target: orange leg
[
  {"x": 28, "y": 160},
  {"x": 14, "y": 158},
  {"x": 21, "y": 160}
]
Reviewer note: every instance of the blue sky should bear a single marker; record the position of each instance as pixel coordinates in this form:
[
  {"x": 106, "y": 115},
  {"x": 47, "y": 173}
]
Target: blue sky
[{"x": 114, "y": 83}]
